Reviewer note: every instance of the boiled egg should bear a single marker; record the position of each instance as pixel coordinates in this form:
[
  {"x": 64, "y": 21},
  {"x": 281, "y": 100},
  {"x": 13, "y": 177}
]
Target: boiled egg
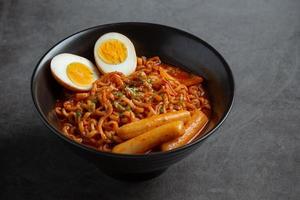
[
  {"x": 115, "y": 52},
  {"x": 74, "y": 72}
]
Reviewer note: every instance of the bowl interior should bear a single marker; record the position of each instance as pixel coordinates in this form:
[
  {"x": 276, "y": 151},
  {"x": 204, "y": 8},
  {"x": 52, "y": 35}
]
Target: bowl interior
[{"x": 171, "y": 45}]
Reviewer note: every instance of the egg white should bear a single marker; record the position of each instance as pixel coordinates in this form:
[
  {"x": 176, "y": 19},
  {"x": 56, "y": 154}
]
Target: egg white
[
  {"x": 128, "y": 66},
  {"x": 59, "y": 65}
]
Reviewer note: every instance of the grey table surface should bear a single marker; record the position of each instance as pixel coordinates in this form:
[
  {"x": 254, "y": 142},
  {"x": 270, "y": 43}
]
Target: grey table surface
[{"x": 254, "y": 155}]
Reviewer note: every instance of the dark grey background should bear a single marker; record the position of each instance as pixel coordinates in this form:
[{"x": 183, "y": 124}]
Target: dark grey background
[{"x": 254, "y": 155}]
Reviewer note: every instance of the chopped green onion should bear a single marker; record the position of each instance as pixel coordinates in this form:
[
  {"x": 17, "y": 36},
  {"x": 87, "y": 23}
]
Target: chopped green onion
[
  {"x": 128, "y": 108},
  {"x": 78, "y": 113},
  {"x": 132, "y": 90},
  {"x": 119, "y": 94},
  {"x": 119, "y": 106},
  {"x": 95, "y": 100},
  {"x": 161, "y": 110},
  {"x": 149, "y": 80}
]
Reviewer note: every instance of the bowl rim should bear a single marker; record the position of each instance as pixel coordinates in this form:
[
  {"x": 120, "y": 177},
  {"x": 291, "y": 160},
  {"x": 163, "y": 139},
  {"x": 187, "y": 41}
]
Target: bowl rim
[{"x": 132, "y": 156}]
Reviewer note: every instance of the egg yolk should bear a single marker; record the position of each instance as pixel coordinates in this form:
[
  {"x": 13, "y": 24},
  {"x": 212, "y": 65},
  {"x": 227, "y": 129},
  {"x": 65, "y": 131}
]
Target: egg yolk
[
  {"x": 112, "y": 51},
  {"x": 79, "y": 74}
]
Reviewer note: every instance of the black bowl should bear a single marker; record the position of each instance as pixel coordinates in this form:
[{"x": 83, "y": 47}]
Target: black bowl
[{"x": 174, "y": 47}]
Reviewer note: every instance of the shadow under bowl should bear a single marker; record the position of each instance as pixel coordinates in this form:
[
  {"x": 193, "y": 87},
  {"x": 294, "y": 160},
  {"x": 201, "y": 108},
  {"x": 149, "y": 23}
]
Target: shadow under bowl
[{"x": 174, "y": 47}]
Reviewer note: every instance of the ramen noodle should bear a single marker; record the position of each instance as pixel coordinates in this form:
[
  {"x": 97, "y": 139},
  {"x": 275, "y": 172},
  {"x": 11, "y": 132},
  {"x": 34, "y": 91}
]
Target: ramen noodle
[{"x": 155, "y": 91}]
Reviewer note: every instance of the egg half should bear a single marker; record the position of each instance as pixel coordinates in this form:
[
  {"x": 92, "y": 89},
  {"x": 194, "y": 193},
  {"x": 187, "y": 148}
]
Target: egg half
[
  {"x": 74, "y": 72},
  {"x": 115, "y": 52}
]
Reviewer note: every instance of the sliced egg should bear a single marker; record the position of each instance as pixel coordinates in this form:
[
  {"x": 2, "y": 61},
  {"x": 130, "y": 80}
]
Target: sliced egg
[
  {"x": 74, "y": 72},
  {"x": 115, "y": 52}
]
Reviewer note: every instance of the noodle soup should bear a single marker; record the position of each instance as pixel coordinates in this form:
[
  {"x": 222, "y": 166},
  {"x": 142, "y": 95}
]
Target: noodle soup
[{"x": 158, "y": 107}]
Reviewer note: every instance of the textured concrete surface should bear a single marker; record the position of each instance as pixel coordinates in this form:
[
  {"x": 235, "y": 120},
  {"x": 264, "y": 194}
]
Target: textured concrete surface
[{"x": 254, "y": 155}]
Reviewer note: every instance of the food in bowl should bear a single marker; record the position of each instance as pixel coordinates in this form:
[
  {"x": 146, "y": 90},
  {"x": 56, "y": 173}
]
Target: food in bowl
[
  {"x": 115, "y": 52},
  {"x": 137, "y": 105},
  {"x": 74, "y": 72}
]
